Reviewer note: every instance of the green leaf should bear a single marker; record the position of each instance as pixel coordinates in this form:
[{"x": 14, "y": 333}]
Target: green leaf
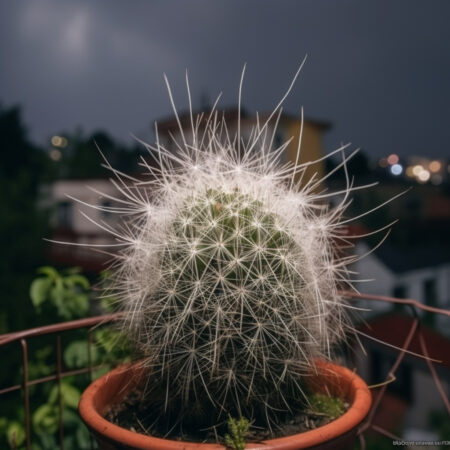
[
  {"x": 76, "y": 354},
  {"x": 47, "y": 442},
  {"x": 53, "y": 396},
  {"x": 51, "y": 272},
  {"x": 80, "y": 304},
  {"x": 70, "y": 395},
  {"x": 58, "y": 297},
  {"x": 3, "y": 423},
  {"x": 39, "y": 290},
  {"x": 38, "y": 369},
  {"x": 68, "y": 292},
  {"x": 45, "y": 419},
  {"x": 83, "y": 437},
  {"x": 76, "y": 279},
  {"x": 72, "y": 270},
  {"x": 16, "y": 434},
  {"x": 106, "y": 338},
  {"x": 71, "y": 418}
]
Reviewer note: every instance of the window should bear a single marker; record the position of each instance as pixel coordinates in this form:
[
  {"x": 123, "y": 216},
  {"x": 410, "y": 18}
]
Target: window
[
  {"x": 400, "y": 291},
  {"x": 430, "y": 298},
  {"x": 429, "y": 291},
  {"x": 64, "y": 214},
  {"x": 106, "y": 204}
]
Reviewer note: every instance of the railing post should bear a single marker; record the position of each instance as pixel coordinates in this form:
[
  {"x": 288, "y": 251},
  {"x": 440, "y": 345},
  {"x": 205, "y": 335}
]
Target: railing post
[
  {"x": 89, "y": 344},
  {"x": 26, "y": 392},
  {"x": 60, "y": 399}
]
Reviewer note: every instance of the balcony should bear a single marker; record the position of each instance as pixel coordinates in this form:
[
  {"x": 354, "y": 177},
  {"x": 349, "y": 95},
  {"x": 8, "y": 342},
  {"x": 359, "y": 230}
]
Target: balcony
[{"x": 407, "y": 367}]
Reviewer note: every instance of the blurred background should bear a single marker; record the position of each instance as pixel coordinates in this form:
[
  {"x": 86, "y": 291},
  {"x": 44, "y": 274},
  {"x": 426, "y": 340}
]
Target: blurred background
[{"x": 76, "y": 73}]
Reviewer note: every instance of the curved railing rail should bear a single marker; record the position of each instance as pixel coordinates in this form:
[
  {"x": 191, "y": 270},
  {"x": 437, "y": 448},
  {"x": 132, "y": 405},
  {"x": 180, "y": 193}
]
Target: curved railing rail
[{"x": 23, "y": 337}]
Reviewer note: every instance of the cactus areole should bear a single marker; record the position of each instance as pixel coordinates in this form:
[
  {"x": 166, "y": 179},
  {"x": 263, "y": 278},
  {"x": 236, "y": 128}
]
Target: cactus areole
[{"x": 228, "y": 272}]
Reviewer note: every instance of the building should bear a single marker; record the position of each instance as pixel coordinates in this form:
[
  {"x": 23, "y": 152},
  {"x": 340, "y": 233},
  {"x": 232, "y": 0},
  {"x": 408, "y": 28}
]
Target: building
[
  {"x": 412, "y": 394},
  {"x": 287, "y": 128},
  {"x": 420, "y": 272},
  {"x": 69, "y": 220},
  {"x": 70, "y": 224}
]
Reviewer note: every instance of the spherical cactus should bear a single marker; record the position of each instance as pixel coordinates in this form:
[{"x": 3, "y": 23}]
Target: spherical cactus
[{"x": 229, "y": 274}]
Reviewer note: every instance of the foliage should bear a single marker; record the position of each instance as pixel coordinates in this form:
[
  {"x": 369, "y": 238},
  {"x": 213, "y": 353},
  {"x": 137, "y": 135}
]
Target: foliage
[
  {"x": 237, "y": 433},
  {"x": 22, "y": 222},
  {"x": 438, "y": 421},
  {"x": 332, "y": 407},
  {"x": 13, "y": 432},
  {"x": 55, "y": 296},
  {"x": 79, "y": 159},
  {"x": 65, "y": 293}
]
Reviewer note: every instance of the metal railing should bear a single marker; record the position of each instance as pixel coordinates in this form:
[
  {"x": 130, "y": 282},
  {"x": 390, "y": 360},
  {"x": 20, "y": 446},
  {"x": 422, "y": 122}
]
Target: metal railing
[
  {"x": 415, "y": 330},
  {"x": 23, "y": 338}
]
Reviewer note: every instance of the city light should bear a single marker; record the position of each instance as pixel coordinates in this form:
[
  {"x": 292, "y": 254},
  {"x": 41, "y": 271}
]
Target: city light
[
  {"x": 424, "y": 176},
  {"x": 417, "y": 170},
  {"x": 392, "y": 159},
  {"x": 59, "y": 141},
  {"x": 383, "y": 162},
  {"x": 55, "y": 154},
  {"x": 409, "y": 171},
  {"x": 396, "y": 169},
  {"x": 435, "y": 166}
]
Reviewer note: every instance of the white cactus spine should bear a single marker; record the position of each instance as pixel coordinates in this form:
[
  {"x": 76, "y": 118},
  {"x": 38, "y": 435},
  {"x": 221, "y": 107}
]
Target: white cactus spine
[{"x": 229, "y": 272}]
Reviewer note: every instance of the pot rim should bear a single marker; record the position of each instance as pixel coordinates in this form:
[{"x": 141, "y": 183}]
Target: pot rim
[{"x": 357, "y": 411}]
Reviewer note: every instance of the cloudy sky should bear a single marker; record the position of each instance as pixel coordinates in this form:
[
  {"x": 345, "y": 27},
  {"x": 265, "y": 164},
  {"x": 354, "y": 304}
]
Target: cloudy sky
[{"x": 378, "y": 70}]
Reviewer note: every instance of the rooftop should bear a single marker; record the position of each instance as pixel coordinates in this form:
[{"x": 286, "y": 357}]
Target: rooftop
[
  {"x": 404, "y": 259},
  {"x": 168, "y": 124},
  {"x": 394, "y": 329}
]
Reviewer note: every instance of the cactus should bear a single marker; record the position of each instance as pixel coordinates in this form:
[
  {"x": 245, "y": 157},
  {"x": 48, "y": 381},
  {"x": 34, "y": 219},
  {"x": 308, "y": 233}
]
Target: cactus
[
  {"x": 234, "y": 310},
  {"x": 228, "y": 276}
]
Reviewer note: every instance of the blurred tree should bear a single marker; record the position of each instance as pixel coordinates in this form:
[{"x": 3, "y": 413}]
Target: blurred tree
[
  {"x": 81, "y": 158},
  {"x": 24, "y": 169},
  {"x": 22, "y": 224}
]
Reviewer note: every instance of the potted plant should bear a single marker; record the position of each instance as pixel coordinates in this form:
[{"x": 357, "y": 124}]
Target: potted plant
[{"x": 228, "y": 281}]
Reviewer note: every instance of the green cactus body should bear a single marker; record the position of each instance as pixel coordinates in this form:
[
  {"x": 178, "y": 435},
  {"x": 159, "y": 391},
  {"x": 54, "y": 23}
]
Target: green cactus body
[{"x": 230, "y": 328}]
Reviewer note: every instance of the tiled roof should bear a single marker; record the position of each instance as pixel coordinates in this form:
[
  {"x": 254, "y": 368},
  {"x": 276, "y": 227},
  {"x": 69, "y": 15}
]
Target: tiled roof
[{"x": 394, "y": 328}]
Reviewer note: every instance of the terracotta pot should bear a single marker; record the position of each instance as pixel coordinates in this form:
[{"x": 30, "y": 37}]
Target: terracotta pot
[{"x": 338, "y": 434}]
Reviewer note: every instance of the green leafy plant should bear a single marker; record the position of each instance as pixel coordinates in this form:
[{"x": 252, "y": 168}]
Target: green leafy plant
[
  {"x": 67, "y": 293},
  {"x": 13, "y": 431},
  {"x": 237, "y": 430},
  {"x": 326, "y": 405}
]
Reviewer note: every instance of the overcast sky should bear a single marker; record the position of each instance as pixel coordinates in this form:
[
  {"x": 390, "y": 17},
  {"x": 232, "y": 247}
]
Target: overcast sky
[{"x": 378, "y": 70}]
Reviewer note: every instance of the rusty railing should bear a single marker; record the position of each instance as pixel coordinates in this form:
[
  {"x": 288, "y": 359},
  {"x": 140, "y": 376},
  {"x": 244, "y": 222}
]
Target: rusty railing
[{"x": 23, "y": 337}]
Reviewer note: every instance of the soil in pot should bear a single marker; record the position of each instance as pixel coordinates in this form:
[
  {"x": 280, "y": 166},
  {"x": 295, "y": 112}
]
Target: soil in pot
[
  {"x": 111, "y": 389},
  {"x": 134, "y": 414}
]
